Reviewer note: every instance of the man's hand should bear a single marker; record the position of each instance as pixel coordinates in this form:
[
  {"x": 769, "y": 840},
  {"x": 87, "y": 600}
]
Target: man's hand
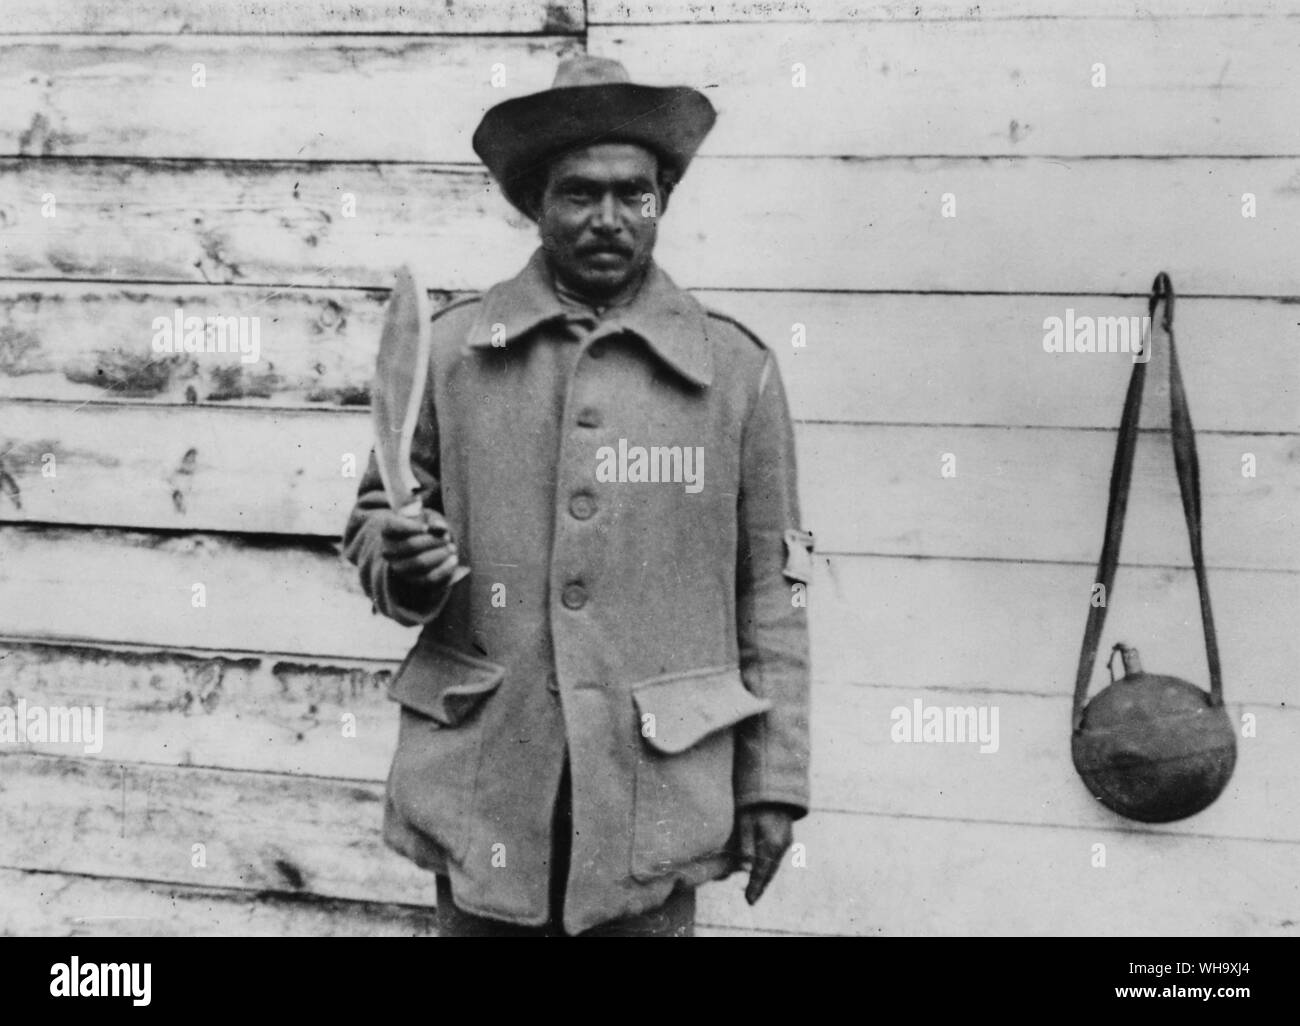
[
  {"x": 764, "y": 834},
  {"x": 419, "y": 552}
]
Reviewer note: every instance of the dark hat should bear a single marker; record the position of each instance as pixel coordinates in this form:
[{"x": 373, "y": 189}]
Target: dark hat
[{"x": 591, "y": 101}]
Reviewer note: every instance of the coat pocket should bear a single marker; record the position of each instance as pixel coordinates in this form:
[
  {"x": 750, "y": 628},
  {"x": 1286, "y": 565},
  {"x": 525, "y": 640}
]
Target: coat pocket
[
  {"x": 684, "y": 800},
  {"x": 431, "y": 783}
]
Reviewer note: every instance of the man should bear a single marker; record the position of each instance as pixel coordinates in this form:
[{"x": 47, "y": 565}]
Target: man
[{"x": 611, "y": 708}]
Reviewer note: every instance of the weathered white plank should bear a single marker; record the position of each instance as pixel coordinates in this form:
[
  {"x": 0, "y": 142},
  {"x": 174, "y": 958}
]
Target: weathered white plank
[
  {"x": 638, "y": 12},
  {"x": 877, "y": 489},
  {"x": 963, "y": 625},
  {"x": 1186, "y": 86},
  {"x": 60, "y": 905},
  {"x": 1028, "y": 86},
  {"x": 82, "y": 340},
  {"x": 1019, "y": 769},
  {"x": 136, "y": 587},
  {"x": 224, "y": 710},
  {"x": 250, "y": 17},
  {"x": 1041, "y": 495},
  {"x": 973, "y": 626},
  {"x": 879, "y": 875},
  {"x": 865, "y": 357},
  {"x": 63, "y": 905},
  {"x": 227, "y": 469},
  {"x": 936, "y": 359},
  {"x": 316, "y": 97},
  {"x": 277, "y": 224},
  {"x": 1022, "y": 225},
  {"x": 258, "y": 831}
]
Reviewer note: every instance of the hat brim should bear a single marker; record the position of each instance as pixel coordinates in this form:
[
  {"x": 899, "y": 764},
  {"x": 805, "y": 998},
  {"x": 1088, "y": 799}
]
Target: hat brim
[{"x": 517, "y": 138}]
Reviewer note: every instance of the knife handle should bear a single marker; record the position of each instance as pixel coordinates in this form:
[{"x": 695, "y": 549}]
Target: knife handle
[{"x": 415, "y": 510}]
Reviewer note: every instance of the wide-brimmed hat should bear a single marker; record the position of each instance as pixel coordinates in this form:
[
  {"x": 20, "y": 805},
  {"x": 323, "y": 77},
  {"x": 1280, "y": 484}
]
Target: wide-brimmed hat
[{"x": 591, "y": 101}]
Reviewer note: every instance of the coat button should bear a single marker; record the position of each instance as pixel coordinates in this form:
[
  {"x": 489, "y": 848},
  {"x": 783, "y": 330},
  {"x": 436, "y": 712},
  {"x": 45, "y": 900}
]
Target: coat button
[
  {"x": 574, "y": 596},
  {"x": 589, "y": 417},
  {"x": 582, "y": 506}
]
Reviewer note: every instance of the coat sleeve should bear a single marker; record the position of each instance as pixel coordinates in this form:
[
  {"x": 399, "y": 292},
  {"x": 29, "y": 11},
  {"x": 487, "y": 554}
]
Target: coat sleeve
[
  {"x": 363, "y": 546},
  {"x": 773, "y": 567}
]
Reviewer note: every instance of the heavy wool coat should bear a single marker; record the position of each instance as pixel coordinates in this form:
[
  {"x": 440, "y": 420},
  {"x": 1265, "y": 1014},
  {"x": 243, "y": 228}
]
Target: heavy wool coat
[{"x": 624, "y": 492}]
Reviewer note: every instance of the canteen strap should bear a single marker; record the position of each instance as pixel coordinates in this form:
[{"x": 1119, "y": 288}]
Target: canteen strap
[{"x": 1121, "y": 476}]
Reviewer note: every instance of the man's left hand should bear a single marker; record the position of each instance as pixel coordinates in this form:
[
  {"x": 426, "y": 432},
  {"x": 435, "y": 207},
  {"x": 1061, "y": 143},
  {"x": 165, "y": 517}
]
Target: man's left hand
[{"x": 764, "y": 835}]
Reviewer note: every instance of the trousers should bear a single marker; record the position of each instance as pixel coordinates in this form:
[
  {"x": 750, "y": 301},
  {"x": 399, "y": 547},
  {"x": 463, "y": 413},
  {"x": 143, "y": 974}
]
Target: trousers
[{"x": 674, "y": 918}]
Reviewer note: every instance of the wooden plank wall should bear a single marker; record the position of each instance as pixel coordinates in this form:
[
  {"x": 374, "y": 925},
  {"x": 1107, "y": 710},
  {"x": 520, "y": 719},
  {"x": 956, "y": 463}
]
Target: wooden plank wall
[{"x": 817, "y": 206}]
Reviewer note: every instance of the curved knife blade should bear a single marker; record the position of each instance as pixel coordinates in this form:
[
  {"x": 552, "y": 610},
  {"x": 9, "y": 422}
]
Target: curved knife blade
[{"x": 397, "y": 391}]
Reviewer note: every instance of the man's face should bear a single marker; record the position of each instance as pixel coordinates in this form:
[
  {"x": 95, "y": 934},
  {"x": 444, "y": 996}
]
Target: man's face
[{"x": 598, "y": 217}]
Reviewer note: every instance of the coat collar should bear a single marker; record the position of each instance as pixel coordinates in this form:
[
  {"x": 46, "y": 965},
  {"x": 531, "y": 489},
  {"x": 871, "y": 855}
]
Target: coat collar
[{"x": 671, "y": 322}]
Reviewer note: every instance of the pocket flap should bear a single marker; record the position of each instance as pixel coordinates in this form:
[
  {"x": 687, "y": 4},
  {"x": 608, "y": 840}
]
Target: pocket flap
[
  {"x": 686, "y": 708},
  {"x": 443, "y": 684}
]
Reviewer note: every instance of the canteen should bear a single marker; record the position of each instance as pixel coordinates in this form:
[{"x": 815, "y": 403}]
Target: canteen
[{"x": 1152, "y": 747}]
